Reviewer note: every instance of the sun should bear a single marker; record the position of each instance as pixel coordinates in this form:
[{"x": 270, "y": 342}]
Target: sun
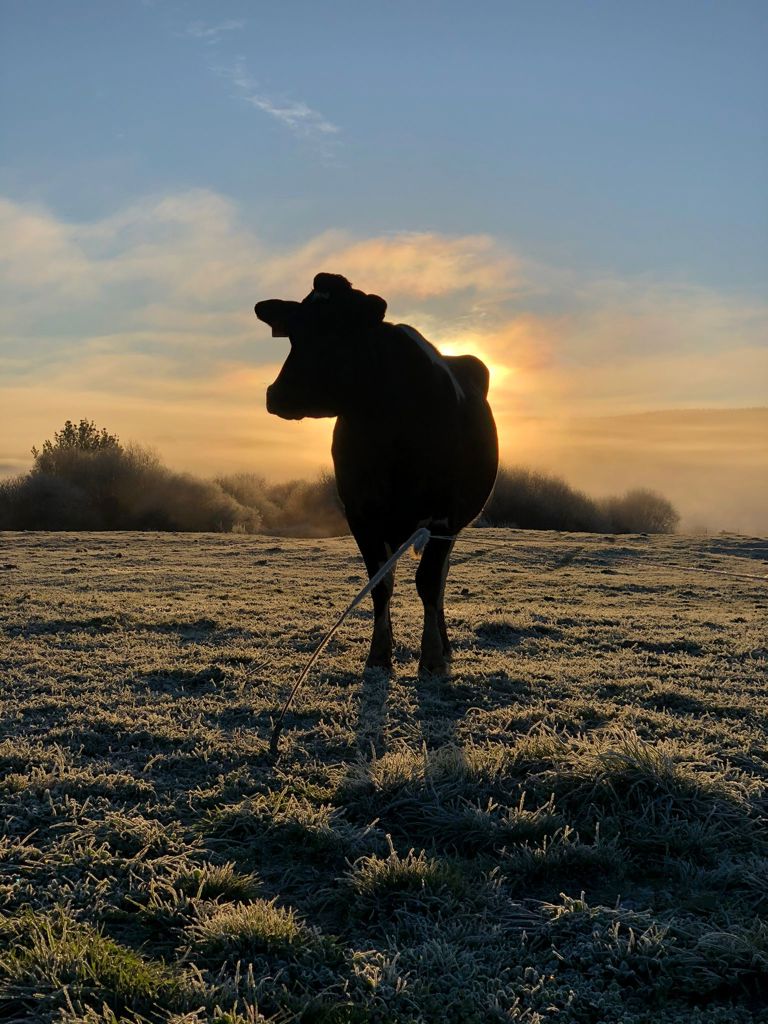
[{"x": 468, "y": 346}]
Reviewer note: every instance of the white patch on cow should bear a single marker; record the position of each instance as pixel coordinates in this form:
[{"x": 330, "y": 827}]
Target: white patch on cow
[{"x": 434, "y": 356}]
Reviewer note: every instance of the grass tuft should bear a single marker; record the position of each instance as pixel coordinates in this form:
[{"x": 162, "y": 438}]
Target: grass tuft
[
  {"x": 44, "y": 955},
  {"x": 381, "y": 886},
  {"x": 312, "y": 831},
  {"x": 247, "y": 930},
  {"x": 218, "y": 882}
]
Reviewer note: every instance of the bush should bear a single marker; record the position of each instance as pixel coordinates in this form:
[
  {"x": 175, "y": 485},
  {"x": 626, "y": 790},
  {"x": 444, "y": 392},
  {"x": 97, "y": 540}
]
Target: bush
[
  {"x": 299, "y": 508},
  {"x": 86, "y": 480},
  {"x": 252, "y": 491},
  {"x": 155, "y": 498},
  {"x": 85, "y": 437},
  {"x": 641, "y": 511},
  {"x": 42, "y": 502},
  {"x": 534, "y": 501}
]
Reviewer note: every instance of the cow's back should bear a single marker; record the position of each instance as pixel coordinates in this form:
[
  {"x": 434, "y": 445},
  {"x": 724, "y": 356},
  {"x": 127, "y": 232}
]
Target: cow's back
[
  {"x": 477, "y": 452},
  {"x": 425, "y": 446},
  {"x": 471, "y": 373}
]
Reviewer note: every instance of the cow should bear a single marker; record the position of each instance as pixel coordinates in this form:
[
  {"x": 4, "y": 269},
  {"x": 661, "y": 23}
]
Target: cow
[{"x": 414, "y": 442}]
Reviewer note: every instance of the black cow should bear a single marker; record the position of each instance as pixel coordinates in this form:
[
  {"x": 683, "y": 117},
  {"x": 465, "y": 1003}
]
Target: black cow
[{"x": 414, "y": 442}]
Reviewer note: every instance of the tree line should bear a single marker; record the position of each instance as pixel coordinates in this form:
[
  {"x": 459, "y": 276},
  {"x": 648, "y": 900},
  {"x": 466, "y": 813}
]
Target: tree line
[{"x": 86, "y": 479}]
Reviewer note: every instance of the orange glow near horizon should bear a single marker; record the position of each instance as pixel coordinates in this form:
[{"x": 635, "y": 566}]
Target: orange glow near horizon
[
  {"x": 158, "y": 343},
  {"x": 469, "y": 347}
]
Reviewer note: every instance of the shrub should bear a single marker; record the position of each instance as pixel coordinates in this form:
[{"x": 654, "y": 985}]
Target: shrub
[
  {"x": 298, "y": 508},
  {"x": 85, "y": 437},
  {"x": 38, "y": 501},
  {"x": 252, "y": 491},
  {"x": 534, "y": 501},
  {"x": 86, "y": 480},
  {"x": 154, "y": 498},
  {"x": 641, "y": 511}
]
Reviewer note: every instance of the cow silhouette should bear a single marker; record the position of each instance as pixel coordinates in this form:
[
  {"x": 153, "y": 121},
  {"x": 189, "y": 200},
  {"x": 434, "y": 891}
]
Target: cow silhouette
[{"x": 414, "y": 442}]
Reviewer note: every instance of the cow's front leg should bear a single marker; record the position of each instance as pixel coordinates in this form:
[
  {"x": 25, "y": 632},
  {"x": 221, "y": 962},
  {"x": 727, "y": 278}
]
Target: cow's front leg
[
  {"x": 375, "y": 553},
  {"x": 430, "y": 583}
]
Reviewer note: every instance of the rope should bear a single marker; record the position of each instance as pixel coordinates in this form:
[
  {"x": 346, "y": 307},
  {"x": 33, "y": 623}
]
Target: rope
[{"x": 418, "y": 541}]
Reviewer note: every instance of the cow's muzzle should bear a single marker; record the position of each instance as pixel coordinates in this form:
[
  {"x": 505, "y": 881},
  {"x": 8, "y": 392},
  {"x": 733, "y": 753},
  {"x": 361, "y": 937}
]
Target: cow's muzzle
[{"x": 277, "y": 405}]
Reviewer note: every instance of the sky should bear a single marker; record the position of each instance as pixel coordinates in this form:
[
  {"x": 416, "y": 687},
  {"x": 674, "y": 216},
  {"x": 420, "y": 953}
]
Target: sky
[{"x": 573, "y": 190}]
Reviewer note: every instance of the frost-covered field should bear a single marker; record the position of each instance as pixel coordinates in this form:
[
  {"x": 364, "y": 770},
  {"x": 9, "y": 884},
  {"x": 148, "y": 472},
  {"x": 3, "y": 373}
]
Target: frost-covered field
[{"x": 570, "y": 828}]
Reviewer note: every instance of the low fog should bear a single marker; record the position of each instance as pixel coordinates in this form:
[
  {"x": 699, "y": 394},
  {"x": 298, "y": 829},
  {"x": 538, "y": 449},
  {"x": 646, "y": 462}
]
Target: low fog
[
  {"x": 711, "y": 465},
  {"x": 85, "y": 479}
]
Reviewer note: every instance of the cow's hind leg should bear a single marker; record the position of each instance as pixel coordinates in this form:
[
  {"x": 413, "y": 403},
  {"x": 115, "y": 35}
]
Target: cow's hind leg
[
  {"x": 430, "y": 583},
  {"x": 375, "y": 553}
]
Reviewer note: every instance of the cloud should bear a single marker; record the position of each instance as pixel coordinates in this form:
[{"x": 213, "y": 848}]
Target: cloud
[
  {"x": 212, "y": 33},
  {"x": 44, "y": 255},
  {"x": 405, "y": 268},
  {"x": 295, "y": 115},
  {"x": 184, "y": 261},
  {"x": 180, "y": 250},
  {"x": 143, "y": 320}
]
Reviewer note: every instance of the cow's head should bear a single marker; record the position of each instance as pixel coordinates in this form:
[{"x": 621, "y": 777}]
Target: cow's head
[{"x": 327, "y": 332}]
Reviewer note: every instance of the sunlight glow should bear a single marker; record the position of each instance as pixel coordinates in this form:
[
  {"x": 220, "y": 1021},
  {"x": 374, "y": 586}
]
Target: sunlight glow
[{"x": 467, "y": 346}]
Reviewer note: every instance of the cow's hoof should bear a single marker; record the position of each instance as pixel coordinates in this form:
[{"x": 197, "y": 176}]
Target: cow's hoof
[
  {"x": 433, "y": 667},
  {"x": 379, "y": 661}
]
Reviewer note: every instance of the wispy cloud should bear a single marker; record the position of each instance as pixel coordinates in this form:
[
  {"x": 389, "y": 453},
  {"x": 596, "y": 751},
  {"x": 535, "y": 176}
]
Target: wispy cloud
[
  {"x": 212, "y": 33},
  {"x": 295, "y": 115}
]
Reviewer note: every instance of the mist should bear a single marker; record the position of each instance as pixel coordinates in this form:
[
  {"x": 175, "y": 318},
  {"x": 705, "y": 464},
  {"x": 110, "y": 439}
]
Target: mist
[
  {"x": 85, "y": 479},
  {"x": 711, "y": 464}
]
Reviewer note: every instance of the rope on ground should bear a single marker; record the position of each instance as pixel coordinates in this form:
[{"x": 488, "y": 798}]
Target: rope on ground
[{"x": 417, "y": 541}]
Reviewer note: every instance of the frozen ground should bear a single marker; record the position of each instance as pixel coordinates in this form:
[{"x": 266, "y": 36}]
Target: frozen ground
[{"x": 570, "y": 828}]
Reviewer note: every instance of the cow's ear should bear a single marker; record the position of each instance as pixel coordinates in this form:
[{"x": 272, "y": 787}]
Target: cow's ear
[
  {"x": 363, "y": 310},
  {"x": 374, "y": 308},
  {"x": 278, "y": 314}
]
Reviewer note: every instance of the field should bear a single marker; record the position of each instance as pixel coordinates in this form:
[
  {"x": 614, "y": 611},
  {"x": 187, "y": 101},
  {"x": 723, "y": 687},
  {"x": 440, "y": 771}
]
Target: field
[{"x": 570, "y": 828}]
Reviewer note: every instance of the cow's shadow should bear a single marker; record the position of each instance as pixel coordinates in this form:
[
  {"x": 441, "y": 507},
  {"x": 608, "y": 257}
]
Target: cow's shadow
[
  {"x": 437, "y": 712},
  {"x": 373, "y": 712},
  {"x": 408, "y": 745}
]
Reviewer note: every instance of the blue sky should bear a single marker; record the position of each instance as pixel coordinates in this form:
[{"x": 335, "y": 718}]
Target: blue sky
[
  {"x": 629, "y": 136},
  {"x": 575, "y": 191}
]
